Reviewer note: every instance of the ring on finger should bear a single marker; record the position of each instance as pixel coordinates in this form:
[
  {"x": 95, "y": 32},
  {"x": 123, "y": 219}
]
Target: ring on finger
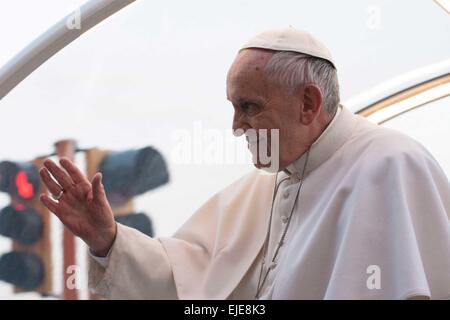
[{"x": 57, "y": 197}]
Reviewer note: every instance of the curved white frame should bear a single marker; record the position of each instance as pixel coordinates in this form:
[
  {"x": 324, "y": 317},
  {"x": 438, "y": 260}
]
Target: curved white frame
[
  {"x": 397, "y": 84},
  {"x": 411, "y": 103},
  {"x": 53, "y": 40}
]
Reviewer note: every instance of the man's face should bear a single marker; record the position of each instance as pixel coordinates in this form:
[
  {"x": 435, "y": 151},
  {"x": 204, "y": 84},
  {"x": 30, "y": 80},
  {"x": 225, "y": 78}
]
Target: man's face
[{"x": 260, "y": 104}]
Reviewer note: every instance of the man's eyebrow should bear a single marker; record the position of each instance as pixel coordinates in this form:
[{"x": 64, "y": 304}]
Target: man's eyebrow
[{"x": 242, "y": 100}]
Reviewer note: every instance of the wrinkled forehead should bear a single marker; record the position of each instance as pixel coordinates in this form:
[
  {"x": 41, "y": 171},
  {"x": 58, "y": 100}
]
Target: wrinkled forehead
[{"x": 246, "y": 74}]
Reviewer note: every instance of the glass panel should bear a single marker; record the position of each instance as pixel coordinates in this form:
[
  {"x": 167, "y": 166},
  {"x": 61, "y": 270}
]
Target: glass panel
[{"x": 154, "y": 74}]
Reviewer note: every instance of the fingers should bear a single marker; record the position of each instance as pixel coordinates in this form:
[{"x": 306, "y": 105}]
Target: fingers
[
  {"x": 51, "y": 204},
  {"x": 59, "y": 209},
  {"x": 98, "y": 192},
  {"x": 61, "y": 177},
  {"x": 73, "y": 171},
  {"x": 51, "y": 184}
]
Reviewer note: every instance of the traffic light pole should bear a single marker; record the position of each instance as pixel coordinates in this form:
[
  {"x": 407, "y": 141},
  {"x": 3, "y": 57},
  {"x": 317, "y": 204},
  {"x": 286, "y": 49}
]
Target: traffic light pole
[
  {"x": 67, "y": 149},
  {"x": 45, "y": 248}
]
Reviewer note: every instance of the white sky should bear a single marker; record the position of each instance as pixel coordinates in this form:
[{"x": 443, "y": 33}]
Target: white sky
[{"x": 160, "y": 66}]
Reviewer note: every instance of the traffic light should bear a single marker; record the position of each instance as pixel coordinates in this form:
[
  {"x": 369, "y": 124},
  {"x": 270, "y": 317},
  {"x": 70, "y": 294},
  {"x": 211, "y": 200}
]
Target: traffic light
[
  {"x": 127, "y": 174},
  {"x": 27, "y": 223},
  {"x": 20, "y": 180},
  {"x": 138, "y": 221},
  {"x": 23, "y": 226}
]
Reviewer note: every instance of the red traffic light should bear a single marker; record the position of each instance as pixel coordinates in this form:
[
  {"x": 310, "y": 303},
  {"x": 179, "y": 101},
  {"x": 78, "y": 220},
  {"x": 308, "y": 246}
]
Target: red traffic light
[
  {"x": 19, "y": 179},
  {"x": 24, "y": 187},
  {"x": 25, "y": 222}
]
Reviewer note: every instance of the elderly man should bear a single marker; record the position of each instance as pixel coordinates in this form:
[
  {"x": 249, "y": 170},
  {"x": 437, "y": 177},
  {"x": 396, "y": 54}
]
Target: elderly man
[{"x": 354, "y": 211}]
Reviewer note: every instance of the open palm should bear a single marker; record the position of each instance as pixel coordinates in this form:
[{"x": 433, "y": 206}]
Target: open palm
[{"x": 81, "y": 205}]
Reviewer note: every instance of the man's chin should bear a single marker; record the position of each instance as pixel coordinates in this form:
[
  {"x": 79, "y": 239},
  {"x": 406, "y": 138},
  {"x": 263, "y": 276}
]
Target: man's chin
[{"x": 267, "y": 168}]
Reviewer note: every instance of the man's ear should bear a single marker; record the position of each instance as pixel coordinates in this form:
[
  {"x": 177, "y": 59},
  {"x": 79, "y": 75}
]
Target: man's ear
[{"x": 312, "y": 103}]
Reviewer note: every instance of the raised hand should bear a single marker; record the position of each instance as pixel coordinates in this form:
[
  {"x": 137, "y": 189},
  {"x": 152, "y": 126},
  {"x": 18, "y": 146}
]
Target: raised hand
[{"x": 81, "y": 205}]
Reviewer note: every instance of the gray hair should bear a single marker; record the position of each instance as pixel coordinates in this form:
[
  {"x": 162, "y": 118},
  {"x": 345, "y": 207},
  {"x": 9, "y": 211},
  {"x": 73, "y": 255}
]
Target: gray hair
[{"x": 291, "y": 70}]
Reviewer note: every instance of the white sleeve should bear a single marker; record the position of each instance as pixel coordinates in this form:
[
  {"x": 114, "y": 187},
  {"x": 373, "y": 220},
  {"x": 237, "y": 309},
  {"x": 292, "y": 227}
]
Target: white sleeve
[
  {"x": 103, "y": 261},
  {"x": 137, "y": 267}
]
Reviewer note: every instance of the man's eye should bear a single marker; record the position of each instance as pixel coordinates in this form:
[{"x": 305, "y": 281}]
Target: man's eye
[{"x": 248, "y": 107}]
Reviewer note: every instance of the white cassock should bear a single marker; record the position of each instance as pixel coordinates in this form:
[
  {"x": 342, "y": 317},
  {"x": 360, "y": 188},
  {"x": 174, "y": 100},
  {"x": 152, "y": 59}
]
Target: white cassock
[{"x": 371, "y": 222}]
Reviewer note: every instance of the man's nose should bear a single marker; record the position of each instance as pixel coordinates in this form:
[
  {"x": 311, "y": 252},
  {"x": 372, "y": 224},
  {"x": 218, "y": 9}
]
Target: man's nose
[{"x": 239, "y": 124}]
